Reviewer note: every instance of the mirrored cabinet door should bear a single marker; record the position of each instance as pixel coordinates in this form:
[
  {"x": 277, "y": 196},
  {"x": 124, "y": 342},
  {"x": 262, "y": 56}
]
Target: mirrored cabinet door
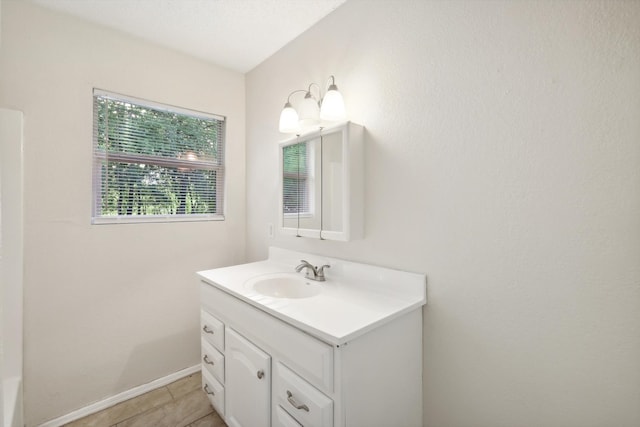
[
  {"x": 301, "y": 187},
  {"x": 332, "y": 183},
  {"x": 321, "y": 183}
]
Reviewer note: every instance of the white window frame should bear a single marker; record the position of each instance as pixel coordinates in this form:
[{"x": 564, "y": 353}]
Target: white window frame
[{"x": 98, "y": 159}]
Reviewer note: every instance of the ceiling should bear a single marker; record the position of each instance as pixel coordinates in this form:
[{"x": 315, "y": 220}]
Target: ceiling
[{"x": 236, "y": 34}]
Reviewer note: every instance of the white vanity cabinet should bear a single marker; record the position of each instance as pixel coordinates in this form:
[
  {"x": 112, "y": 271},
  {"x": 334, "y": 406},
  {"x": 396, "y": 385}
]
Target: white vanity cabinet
[
  {"x": 278, "y": 375},
  {"x": 348, "y": 355}
]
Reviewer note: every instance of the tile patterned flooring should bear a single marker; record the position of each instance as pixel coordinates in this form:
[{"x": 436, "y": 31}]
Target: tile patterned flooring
[{"x": 179, "y": 404}]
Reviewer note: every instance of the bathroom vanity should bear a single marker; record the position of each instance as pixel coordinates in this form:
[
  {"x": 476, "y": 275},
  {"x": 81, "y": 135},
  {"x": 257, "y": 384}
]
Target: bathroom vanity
[{"x": 280, "y": 349}]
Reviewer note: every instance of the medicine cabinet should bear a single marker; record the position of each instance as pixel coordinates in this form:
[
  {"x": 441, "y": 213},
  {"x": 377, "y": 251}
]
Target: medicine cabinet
[{"x": 321, "y": 183}]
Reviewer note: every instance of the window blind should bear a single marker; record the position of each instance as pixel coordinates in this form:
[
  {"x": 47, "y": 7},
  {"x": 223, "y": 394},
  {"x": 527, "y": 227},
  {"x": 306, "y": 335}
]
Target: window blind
[
  {"x": 296, "y": 191},
  {"x": 155, "y": 162}
]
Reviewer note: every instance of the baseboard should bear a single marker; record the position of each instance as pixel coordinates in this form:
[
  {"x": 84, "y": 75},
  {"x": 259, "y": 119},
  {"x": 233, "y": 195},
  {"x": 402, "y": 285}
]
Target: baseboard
[{"x": 120, "y": 397}]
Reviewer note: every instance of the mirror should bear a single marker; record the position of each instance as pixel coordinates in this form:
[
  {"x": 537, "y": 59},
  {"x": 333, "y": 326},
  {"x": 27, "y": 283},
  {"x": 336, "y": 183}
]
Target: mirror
[
  {"x": 300, "y": 188},
  {"x": 321, "y": 183}
]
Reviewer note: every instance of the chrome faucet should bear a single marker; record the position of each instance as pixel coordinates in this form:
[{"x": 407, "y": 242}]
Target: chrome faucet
[{"x": 318, "y": 272}]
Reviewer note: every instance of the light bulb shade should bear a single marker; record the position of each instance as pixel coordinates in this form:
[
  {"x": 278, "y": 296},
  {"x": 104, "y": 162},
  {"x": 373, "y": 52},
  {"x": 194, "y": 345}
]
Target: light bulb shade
[
  {"x": 309, "y": 112},
  {"x": 288, "y": 120},
  {"x": 333, "y": 105}
]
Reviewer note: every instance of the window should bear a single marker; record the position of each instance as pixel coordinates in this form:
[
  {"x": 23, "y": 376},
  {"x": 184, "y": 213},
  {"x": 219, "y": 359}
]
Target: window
[
  {"x": 155, "y": 162},
  {"x": 295, "y": 188}
]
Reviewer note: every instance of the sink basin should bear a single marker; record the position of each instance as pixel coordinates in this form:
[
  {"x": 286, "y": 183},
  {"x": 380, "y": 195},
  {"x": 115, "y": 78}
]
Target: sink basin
[{"x": 284, "y": 285}]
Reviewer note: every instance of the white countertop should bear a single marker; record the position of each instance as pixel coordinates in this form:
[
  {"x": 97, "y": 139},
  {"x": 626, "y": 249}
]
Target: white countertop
[{"x": 355, "y": 297}]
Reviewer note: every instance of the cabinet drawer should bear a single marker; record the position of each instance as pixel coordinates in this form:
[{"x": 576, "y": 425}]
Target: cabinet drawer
[
  {"x": 304, "y": 402},
  {"x": 212, "y": 330},
  {"x": 214, "y": 390},
  {"x": 282, "y": 418},
  {"x": 310, "y": 357},
  {"x": 212, "y": 360}
]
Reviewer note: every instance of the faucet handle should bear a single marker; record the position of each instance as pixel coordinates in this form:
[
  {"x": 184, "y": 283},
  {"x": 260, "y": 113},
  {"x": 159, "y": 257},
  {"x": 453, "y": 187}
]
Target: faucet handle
[
  {"x": 305, "y": 264},
  {"x": 320, "y": 270}
]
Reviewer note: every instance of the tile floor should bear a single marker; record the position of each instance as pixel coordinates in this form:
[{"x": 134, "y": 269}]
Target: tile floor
[{"x": 179, "y": 404}]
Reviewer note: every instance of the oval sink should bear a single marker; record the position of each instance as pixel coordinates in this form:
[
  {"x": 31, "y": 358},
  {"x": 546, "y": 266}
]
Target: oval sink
[{"x": 284, "y": 285}]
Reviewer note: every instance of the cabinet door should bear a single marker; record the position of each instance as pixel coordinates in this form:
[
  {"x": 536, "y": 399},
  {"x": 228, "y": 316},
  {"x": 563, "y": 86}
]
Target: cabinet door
[{"x": 247, "y": 383}]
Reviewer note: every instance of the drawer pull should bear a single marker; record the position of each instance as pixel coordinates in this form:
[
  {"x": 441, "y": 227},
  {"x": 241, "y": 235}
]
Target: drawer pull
[
  {"x": 206, "y": 388},
  {"x": 206, "y": 360},
  {"x": 207, "y": 330},
  {"x": 295, "y": 404},
  {"x": 260, "y": 374}
]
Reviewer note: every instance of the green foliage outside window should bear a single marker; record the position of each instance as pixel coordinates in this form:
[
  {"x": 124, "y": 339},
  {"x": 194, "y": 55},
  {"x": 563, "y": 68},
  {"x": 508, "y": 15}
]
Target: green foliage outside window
[{"x": 151, "y": 161}]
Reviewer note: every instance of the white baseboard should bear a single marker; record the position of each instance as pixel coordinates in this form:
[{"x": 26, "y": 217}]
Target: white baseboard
[{"x": 120, "y": 397}]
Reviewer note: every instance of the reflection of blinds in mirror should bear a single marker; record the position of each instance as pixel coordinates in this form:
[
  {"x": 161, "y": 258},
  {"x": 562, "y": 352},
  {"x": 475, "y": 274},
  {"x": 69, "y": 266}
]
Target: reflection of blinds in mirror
[{"x": 295, "y": 189}]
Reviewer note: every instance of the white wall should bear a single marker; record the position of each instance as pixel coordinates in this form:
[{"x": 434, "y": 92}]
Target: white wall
[
  {"x": 107, "y": 307},
  {"x": 502, "y": 160},
  {"x": 11, "y": 266}
]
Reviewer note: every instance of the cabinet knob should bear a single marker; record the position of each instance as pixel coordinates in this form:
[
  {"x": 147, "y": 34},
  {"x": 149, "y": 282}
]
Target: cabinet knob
[
  {"x": 207, "y": 330},
  {"x": 206, "y": 360},
  {"x": 206, "y": 388},
  {"x": 260, "y": 374},
  {"x": 295, "y": 404}
]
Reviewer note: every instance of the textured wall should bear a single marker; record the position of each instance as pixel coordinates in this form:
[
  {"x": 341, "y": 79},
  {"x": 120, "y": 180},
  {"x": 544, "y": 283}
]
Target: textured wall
[
  {"x": 106, "y": 307},
  {"x": 502, "y": 160}
]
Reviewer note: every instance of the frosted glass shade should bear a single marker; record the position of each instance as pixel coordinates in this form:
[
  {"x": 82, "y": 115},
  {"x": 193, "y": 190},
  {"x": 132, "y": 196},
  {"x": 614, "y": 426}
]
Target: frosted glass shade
[
  {"x": 289, "y": 120},
  {"x": 333, "y": 105},
  {"x": 309, "y": 112}
]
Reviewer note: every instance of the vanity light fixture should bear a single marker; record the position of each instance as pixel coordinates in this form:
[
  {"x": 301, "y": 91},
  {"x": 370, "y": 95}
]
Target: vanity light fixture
[
  {"x": 289, "y": 117},
  {"x": 311, "y": 111},
  {"x": 333, "y": 104}
]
